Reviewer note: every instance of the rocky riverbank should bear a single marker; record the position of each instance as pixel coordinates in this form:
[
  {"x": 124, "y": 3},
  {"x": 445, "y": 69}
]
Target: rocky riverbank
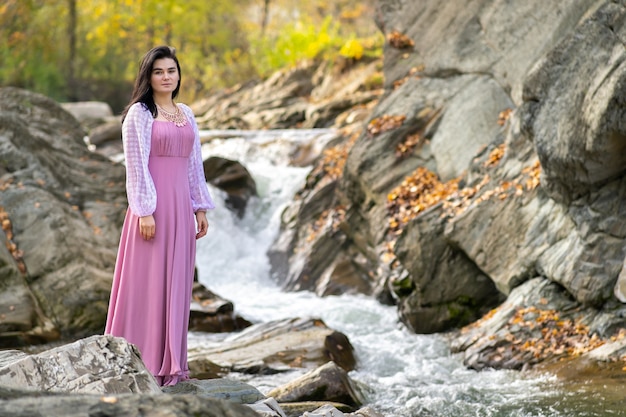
[
  {"x": 477, "y": 182},
  {"x": 487, "y": 182}
]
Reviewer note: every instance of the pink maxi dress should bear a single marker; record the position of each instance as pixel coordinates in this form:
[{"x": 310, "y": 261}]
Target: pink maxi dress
[{"x": 153, "y": 279}]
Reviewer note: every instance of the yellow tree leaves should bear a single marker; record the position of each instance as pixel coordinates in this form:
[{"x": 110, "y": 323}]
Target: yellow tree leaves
[{"x": 352, "y": 49}]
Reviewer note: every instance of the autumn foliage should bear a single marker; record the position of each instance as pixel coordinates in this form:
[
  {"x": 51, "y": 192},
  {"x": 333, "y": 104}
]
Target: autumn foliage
[
  {"x": 385, "y": 123},
  {"x": 334, "y": 159},
  {"x": 535, "y": 335},
  {"x": 552, "y": 336},
  {"x": 7, "y": 228},
  {"x": 416, "y": 193},
  {"x": 399, "y": 40},
  {"x": 329, "y": 220}
]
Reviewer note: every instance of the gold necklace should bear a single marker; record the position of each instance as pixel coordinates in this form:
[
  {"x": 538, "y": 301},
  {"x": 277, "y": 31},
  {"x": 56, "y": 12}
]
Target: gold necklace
[{"x": 178, "y": 118}]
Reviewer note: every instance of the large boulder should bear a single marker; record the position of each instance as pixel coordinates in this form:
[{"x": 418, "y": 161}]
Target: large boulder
[
  {"x": 96, "y": 365},
  {"x": 61, "y": 210},
  {"x": 575, "y": 106},
  {"x": 574, "y": 111},
  {"x": 273, "y": 347},
  {"x": 447, "y": 288},
  {"x": 211, "y": 313},
  {"x": 540, "y": 323},
  {"x": 234, "y": 179},
  {"x": 329, "y": 382}
]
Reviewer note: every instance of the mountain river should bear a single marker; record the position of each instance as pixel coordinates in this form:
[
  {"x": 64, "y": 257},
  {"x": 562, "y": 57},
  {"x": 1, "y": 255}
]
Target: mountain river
[{"x": 405, "y": 374}]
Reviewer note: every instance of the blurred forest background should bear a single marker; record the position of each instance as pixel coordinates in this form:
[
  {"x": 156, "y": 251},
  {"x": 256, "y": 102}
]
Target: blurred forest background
[{"x": 76, "y": 50}]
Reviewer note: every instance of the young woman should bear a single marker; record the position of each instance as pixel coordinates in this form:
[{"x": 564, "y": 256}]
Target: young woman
[{"x": 166, "y": 186}]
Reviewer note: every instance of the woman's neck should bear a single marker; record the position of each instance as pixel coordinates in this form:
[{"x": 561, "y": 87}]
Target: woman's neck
[{"x": 164, "y": 101}]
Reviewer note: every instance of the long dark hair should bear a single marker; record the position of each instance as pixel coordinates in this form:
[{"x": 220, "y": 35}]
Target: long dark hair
[{"x": 142, "y": 92}]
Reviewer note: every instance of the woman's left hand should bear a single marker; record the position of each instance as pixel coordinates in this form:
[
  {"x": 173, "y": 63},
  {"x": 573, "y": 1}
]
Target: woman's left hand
[{"x": 203, "y": 224}]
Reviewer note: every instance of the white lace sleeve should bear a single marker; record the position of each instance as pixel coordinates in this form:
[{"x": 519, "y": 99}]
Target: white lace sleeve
[
  {"x": 200, "y": 197},
  {"x": 140, "y": 189}
]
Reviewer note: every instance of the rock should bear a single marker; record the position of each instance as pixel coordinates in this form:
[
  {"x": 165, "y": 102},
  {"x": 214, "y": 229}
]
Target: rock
[
  {"x": 309, "y": 95},
  {"x": 620, "y": 286},
  {"x": 62, "y": 209},
  {"x": 331, "y": 410},
  {"x": 485, "y": 37},
  {"x": 539, "y": 177},
  {"x": 325, "y": 113},
  {"x": 273, "y": 347},
  {"x": 345, "y": 275},
  {"x": 326, "y": 383},
  {"x": 448, "y": 289},
  {"x": 109, "y": 131},
  {"x": 78, "y": 405},
  {"x": 89, "y": 113},
  {"x": 210, "y": 313},
  {"x": 233, "y": 178},
  {"x": 268, "y": 408},
  {"x": 494, "y": 342},
  {"x": 469, "y": 124},
  {"x": 96, "y": 365},
  {"x": 325, "y": 411},
  {"x": 576, "y": 122},
  {"x": 365, "y": 412},
  {"x": 576, "y": 99},
  {"x": 226, "y": 389},
  {"x": 299, "y": 409}
]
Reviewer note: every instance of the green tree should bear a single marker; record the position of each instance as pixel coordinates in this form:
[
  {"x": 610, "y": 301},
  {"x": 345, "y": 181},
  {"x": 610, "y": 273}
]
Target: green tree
[
  {"x": 29, "y": 57},
  {"x": 90, "y": 49}
]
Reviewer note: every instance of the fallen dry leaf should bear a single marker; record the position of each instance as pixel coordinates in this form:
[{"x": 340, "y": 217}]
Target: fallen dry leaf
[
  {"x": 399, "y": 40},
  {"x": 385, "y": 123}
]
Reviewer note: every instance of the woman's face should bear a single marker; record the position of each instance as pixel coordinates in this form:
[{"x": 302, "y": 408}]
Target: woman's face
[{"x": 164, "y": 78}]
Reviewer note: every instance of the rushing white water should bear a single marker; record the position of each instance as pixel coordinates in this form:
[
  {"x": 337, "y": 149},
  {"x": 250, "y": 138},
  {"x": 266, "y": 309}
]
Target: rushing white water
[{"x": 405, "y": 374}]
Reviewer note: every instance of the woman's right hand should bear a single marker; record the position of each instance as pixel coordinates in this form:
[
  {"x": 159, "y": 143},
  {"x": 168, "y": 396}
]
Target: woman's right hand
[{"x": 147, "y": 227}]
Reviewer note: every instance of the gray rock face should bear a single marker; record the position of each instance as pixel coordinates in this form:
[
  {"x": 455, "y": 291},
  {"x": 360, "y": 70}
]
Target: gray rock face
[
  {"x": 96, "y": 365},
  {"x": 574, "y": 112},
  {"x": 62, "y": 208},
  {"x": 448, "y": 289},
  {"x": 525, "y": 105},
  {"x": 326, "y": 383},
  {"x": 466, "y": 128},
  {"x": 121, "y": 405},
  {"x": 310, "y": 95},
  {"x": 233, "y": 178},
  {"x": 226, "y": 389},
  {"x": 575, "y": 106},
  {"x": 503, "y": 40},
  {"x": 275, "y": 347}
]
